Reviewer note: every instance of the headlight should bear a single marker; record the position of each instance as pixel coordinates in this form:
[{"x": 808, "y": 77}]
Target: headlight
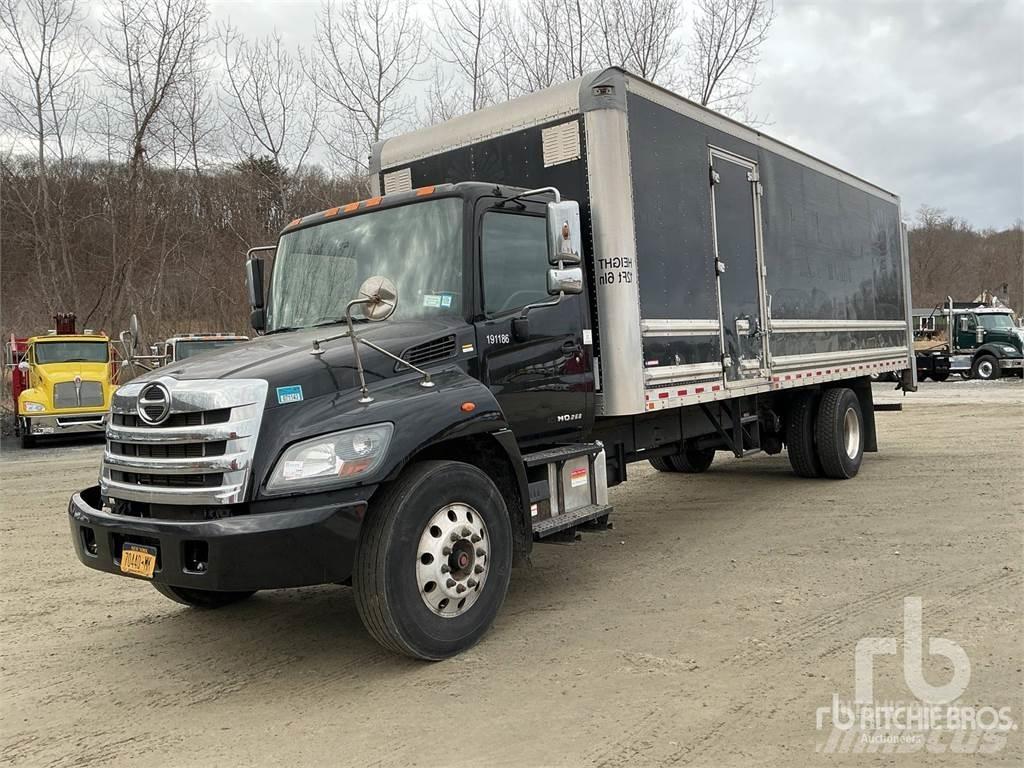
[
  {"x": 330, "y": 458},
  {"x": 1009, "y": 349},
  {"x": 31, "y": 407}
]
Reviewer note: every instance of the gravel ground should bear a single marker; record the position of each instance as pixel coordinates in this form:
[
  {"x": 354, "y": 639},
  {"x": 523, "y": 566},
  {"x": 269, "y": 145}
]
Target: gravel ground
[{"x": 706, "y": 629}]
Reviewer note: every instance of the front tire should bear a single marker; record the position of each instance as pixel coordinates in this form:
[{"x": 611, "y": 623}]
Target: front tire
[
  {"x": 986, "y": 368},
  {"x": 839, "y": 433},
  {"x": 940, "y": 377},
  {"x": 201, "y": 598},
  {"x": 433, "y": 561}
]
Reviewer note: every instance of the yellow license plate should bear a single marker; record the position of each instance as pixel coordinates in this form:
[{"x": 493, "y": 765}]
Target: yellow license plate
[{"x": 138, "y": 560}]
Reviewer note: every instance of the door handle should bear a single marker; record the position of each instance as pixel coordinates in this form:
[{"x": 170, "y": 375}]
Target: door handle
[{"x": 569, "y": 347}]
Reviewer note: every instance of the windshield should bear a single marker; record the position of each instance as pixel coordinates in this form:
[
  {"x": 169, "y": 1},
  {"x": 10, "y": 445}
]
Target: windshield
[
  {"x": 183, "y": 349},
  {"x": 318, "y": 270},
  {"x": 995, "y": 322},
  {"x": 71, "y": 352}
]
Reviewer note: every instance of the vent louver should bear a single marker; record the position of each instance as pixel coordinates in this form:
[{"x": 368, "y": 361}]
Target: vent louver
[{"x": 429, "y": 352}]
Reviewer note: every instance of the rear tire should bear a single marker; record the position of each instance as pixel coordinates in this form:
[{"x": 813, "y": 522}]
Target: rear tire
[
  {"x": 691, "y": 461},
  {"x": 985, "y": 368},
  {"x": 940, "y": 377},
  {"x": 839, "y": 433},
  {"x": 201, "y": 598},
  {"x": 404, "y": 605},
  {"x": 800, "y": 435}
]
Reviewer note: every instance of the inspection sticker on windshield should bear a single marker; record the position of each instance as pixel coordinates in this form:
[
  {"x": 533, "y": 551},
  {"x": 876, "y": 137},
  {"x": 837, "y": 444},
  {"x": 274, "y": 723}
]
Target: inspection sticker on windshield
[
  {"x": 431, "y": 300},
  {"x": 292, "y": 394}
]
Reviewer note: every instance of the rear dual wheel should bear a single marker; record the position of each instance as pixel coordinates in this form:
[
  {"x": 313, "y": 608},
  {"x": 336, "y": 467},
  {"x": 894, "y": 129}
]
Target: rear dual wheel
[
  {"x": 825, "y": 434},
  {"x": 689, "y": 461}
]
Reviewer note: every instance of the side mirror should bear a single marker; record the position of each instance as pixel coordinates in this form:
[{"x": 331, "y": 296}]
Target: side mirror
[
  {"x": 254, "y": 279},
  {"x": 565, "y": 241},
  {"x": 258, "y": 320},
  {"x": 979, "y": 334},
  {"x": 568, "y": 280},
  {"x": 23, "y": 366},
  {"x": 134, "y": 334}
]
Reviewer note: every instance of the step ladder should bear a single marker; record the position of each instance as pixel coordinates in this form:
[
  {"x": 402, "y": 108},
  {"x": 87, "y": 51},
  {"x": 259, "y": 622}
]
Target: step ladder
[{"x": 568, "y": 488}]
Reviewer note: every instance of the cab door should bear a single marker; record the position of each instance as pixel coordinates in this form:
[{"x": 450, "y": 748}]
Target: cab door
[{"x": 544, "y": 379}]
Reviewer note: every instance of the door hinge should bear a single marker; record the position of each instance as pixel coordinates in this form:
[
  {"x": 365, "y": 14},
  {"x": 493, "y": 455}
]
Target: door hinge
[
  {"x": 752, "y": 175},
  {"x": 714, "y": 175},
  {"x": 759, "y": 188}
]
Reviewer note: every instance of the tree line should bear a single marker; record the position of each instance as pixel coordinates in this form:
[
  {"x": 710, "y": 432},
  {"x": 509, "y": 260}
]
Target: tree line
[
  {"x": 144, "y": 147},
  {"x": 949, "y": 257}
]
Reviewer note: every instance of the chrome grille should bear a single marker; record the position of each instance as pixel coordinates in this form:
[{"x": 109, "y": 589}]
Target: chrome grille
[
  {"x": 200, "y": 454},
  {"x": 85, "y": 394}
]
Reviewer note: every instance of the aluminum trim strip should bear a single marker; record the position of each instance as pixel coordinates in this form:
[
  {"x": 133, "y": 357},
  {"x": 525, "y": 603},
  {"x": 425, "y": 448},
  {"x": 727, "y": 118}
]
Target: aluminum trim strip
[
  {"x": 680, "y": 372},
  {"x": 830, "y": 358},
  {"x": 224, "y": 494},
  {"x": 656, "y": 328},
  {"x": 829, "y": 326}
]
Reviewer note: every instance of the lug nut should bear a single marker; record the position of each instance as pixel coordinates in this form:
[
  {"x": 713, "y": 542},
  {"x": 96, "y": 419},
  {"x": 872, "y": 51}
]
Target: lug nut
[
  {"x": 446, "y": 551},
  {"x": 454, "y": 536},
  {"x": 466, "y": 532},
  {"x": 475, "y": 538},
  {"x": 471, "y": 583},
  {"x": 445, "y": 568},
  {"x": 478, "y": 569},
  {"x": 461, "y": 588},
  {"x": 480, "y": 553},
  {"x": 450, "y": 583}
]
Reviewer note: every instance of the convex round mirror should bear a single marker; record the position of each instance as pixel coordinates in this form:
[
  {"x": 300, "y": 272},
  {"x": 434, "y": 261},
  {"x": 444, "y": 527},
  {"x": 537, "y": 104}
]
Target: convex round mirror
[{"x": 381, "y": 298}]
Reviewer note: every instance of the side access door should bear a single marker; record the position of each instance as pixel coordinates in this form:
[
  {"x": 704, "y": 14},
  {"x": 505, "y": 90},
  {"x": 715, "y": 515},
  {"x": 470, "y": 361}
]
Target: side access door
[
  {"x": 544, "y": 379},
  {"x": 739, "y": 264}
]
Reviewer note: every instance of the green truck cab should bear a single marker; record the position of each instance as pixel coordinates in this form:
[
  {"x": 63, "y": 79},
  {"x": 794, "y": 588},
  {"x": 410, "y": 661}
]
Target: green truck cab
[{"x": 986, "y": 343}]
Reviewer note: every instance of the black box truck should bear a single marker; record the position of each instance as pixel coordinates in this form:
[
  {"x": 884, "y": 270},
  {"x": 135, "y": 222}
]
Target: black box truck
[{"x": 537, "y": 295}]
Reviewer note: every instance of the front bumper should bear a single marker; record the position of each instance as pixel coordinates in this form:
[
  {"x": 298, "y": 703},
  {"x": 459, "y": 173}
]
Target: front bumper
[
  {"x": 1011, "y": 363},
  {"x": 265, "y": 550},
  {"x": 65, "y": 425}
]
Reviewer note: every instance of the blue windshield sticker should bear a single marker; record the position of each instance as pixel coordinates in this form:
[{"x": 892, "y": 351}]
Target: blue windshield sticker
[
  {"x": 446, "y": 300},
  {"x": 292, "y": 394}
]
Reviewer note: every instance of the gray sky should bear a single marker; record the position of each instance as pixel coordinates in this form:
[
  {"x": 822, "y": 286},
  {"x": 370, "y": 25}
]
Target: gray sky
[{"x": 924, "y": 97}]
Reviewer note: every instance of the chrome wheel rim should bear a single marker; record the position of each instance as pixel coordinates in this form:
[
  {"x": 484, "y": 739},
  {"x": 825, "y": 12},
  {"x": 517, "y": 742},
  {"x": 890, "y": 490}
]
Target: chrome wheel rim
[
  {"x": 851, "y": 433},
  {"x": 452, "y": 560},
  {"x": 985, "y": 369}
]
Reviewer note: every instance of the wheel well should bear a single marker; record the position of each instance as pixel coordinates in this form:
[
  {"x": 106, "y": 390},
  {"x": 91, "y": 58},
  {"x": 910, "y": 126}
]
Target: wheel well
[{"x": 485, "y": 453}]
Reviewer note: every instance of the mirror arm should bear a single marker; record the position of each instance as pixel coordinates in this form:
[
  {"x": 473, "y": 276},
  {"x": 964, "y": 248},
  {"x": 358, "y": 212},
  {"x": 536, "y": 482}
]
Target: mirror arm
[{"x": 532, "y": 192}]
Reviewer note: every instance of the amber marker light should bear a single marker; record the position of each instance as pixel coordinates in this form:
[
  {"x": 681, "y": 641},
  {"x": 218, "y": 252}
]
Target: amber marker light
[{"x": 468, "y": 407}]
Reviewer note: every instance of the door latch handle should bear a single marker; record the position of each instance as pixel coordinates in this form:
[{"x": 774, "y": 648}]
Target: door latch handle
[{"x": 570, "y": 347}]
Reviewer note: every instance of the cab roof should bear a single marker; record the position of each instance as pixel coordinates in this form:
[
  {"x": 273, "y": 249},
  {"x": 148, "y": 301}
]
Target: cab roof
[{"x": 68, "y": 337}]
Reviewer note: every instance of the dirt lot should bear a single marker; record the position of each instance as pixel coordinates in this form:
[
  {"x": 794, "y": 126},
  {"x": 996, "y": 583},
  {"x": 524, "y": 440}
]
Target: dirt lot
[{"x": 706, "y": 629}]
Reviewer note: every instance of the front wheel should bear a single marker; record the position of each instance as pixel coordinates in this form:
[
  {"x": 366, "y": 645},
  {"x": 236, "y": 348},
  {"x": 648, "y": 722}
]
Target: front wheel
[
  {"x": 433, "y": 561},
  {"x": 986, "y": 368},
  {"x": 940, "y": 376},
  {"x": 201, "y": 598}
]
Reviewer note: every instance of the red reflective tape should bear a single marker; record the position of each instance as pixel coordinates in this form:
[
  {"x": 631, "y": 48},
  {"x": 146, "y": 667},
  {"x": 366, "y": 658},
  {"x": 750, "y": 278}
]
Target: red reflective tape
[
  {"x": 698, "y": 390},
  {"x": 715, "y": 388},
  {"x": 681, "y": 393},
  {"x": 788, "y": 377},
  {"x": 663, "y": 395}
]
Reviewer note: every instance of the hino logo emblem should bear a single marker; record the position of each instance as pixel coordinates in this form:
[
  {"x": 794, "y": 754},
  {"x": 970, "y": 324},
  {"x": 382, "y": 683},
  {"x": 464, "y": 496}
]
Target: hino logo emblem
[{"x": 154, "y": 404}]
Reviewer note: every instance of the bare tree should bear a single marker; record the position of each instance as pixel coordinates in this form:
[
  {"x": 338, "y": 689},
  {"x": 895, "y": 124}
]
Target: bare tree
[
  {"x": 150, "y": 48},
  {"x": 545, "y": 42},
  {"x": 641, "y": 35},
  {"x": 367, "y": 53},
  {"x": 272, "y": 110},
  {"x": 42, "y": 100},
  {"x": 466, "y": 31},
  {"x": 727, "y": 39}
]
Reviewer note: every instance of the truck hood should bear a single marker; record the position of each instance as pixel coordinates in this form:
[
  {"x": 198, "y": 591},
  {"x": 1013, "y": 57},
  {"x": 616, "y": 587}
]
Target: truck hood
[
  {"x": 56, "y": 373},
  {"x": 284, "y": 360}
]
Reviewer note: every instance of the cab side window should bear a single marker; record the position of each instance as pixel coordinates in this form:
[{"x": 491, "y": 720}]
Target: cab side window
[{"x": 514, "y": 260}]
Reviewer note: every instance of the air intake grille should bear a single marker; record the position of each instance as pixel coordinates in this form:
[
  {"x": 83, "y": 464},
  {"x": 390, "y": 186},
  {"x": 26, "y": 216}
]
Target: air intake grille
[
  {"x": 191, "y": 419},
  {"x": 429, "y": 352},
  {"x": 86, "y": 394}
]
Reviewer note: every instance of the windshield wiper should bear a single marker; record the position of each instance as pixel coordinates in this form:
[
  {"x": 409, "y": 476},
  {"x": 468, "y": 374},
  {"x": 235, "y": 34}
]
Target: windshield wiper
[{"x": 335, "y": 320}]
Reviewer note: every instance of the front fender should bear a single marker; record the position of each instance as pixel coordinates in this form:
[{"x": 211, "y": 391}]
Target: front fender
[
  {"x": 995, "y": 348},
  {"x": 456, "y": 406}
]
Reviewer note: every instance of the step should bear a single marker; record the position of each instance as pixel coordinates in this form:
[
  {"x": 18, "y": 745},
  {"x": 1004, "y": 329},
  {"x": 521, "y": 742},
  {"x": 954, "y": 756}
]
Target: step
[
  {"x": 565, "y": 520},
  {"x": 561, "y": 453}
]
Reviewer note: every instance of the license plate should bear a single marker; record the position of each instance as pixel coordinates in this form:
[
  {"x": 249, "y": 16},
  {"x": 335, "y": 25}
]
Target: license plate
[{"x": 138, "y": 560}]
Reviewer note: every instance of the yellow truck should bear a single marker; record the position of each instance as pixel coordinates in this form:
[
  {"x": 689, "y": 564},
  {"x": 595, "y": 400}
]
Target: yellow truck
[{"x": 62, "y": 382}]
